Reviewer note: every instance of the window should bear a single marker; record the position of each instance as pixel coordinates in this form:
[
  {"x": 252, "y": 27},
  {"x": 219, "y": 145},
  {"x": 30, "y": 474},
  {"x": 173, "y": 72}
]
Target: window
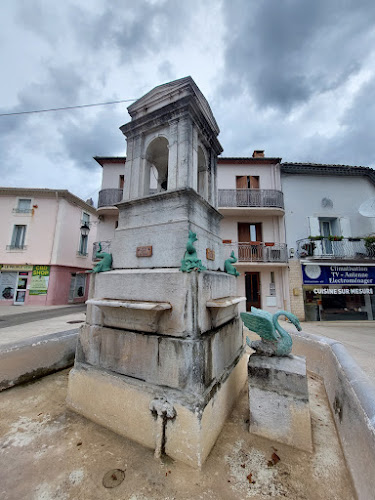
[
  {"x": 272, "y": 284},
  {"x": 85, "y": 229},
  {"x": 23, "y": 206},
  {"x": 77, "y": 286},
  {"x": 247, "y": 182},
  {"x": 86, "y": 219},
  {"x": 18, "y": 237},
  {"x": 121, "y": 182}
]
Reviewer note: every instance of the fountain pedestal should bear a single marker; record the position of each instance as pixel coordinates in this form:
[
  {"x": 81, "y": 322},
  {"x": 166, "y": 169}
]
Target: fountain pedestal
[{"x": 279, "y": 400}]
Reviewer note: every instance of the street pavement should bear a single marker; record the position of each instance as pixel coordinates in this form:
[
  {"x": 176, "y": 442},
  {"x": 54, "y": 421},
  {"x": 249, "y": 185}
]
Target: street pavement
[
  {"x": 33, "y": 321},
  {"x": 357, "y": 336}
]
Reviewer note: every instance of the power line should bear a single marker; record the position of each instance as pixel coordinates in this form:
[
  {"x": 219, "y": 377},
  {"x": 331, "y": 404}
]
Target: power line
[{"x": 67, "y": 107}]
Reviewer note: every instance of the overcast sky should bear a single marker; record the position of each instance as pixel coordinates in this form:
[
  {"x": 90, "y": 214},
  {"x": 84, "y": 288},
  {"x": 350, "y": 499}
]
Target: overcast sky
[{"x": 293, "y": 77}]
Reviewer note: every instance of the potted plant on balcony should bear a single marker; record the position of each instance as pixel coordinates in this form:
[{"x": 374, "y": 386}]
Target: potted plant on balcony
[
  {"x": 335, "y": 238},
  {"x": 316, "y": 238},
  {"x": 308, "y": 249},
  {"x": 370, "y": 245},
  {"x": 354, "y": 238}
]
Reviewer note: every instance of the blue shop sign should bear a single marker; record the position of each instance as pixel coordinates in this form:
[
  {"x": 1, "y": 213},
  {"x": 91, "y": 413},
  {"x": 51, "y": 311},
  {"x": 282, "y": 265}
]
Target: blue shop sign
[{"x": 338, "y": 275}]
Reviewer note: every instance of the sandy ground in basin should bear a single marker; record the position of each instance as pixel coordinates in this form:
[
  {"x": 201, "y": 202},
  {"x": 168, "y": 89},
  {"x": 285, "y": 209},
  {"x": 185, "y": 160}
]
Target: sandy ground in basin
[{"x": 48, "y": 452}]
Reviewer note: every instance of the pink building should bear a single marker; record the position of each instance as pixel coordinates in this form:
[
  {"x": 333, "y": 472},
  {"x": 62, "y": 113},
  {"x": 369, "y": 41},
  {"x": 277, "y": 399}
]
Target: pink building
[{"x": 46, "y": 238}]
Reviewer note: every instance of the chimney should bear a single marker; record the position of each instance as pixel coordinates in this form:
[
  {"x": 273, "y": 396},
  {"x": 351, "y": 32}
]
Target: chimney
[{"x": 258, "y": 153}]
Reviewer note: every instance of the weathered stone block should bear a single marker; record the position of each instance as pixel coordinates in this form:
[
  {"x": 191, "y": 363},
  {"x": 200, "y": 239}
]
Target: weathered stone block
[
  {"x": 172, "y": 212},
  {"x": 187, "y": 293},
  {"x": 187, "y": 364},
  {"x": 123, "y": 404},
  {"x": 279, "y": 401}
]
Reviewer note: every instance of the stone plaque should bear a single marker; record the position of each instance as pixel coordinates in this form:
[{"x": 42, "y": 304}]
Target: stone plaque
[
  {"x": 144, "y": 251},
  {"x": 210, "y": 254}
]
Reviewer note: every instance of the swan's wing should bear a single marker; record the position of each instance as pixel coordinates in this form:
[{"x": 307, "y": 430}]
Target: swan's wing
[{"x": 260, "y": 325}]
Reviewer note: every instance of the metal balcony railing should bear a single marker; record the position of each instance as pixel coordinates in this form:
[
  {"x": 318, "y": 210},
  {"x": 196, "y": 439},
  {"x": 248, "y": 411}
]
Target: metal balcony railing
[
  {"x": 81, "y": 253},
  {"x": 109, "y": 197},
  {"x": 326, "y": 248},
  {"x": 259, "y": 252},
  {"x": 106, "y": 247},
  {"x": 251, "y": 198},
  {"x": 22, "y": 210},
  {"x": 16, "y": 247}
]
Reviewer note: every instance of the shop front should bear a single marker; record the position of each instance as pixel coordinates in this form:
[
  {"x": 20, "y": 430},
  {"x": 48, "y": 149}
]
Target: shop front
[
  {"x": 14, "y": 283},
  {"x": 339, "y": 292}
]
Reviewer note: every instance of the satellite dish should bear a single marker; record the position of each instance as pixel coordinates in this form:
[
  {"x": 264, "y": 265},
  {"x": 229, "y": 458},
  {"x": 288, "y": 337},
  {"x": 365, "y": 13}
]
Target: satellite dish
[{"x": 367, "y": 209}]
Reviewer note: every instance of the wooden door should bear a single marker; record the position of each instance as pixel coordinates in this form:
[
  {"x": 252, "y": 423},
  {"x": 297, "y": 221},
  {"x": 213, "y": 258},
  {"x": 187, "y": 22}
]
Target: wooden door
[
  {"x": 249, "y": 241},
  {"x": 252, "y": 288}
]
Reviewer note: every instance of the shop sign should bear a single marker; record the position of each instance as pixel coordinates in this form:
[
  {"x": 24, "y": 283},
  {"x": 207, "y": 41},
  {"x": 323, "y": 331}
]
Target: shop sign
[
  {"x": 16, "y": 267},
  {"x": 343, "y": 291},
  {"x": 338, "y": 275},
  {"x": 39, "y": 280}
]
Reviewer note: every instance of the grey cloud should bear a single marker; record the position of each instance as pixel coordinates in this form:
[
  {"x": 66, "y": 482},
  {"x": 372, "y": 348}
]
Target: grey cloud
[
  {"x": 283, "y": 53},
  {"x": 82, "y": 138}
]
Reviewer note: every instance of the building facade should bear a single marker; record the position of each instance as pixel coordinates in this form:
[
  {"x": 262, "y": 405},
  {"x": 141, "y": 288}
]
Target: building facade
[
  {"x": 46, "y": 246},
  {"x": 331, "y": 245},
  {"x": 251, "y": 201}
]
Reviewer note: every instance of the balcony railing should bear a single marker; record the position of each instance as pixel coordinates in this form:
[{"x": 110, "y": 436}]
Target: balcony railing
[
  {"x": 16, "y": 247},
  {"x": 109, "y": 197},
  {"x": 81, "y": 254},
  {"x": 106, "y": 247},
  {"x": 325, "y": 248},
  {"x": 22, "y": 210},
  {"x": 251, "y": 198},
  {"x": 259, "y": 252}
]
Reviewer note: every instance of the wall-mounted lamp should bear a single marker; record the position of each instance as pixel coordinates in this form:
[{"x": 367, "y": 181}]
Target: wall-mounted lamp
[
  {"x": 85, "y": 229},
  {"x": 291, "y": 253}
]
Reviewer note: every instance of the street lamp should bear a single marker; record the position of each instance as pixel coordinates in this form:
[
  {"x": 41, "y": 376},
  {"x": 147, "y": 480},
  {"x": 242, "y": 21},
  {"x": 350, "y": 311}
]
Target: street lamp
[{"x": 85, "y": 229}]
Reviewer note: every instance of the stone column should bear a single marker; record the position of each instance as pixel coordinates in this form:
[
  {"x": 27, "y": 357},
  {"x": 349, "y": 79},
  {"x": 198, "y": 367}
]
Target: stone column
[
  {"x": 185, "y": 152},
  {"x": 173, "y": 154}
]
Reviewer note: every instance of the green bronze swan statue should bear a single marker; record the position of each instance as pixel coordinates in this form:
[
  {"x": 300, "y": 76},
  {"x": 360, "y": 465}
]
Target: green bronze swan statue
[{"x": 275, "y": 340}]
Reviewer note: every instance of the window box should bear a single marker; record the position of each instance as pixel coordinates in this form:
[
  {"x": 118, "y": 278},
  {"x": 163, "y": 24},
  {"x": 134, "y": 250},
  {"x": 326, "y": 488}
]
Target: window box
[
  {"x": 335, "y": 238},
  {"x": 269, "y": 244}
]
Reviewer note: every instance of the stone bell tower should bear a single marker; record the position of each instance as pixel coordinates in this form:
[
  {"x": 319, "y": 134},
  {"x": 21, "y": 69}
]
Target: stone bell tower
[{"x": 159, "y": 359}]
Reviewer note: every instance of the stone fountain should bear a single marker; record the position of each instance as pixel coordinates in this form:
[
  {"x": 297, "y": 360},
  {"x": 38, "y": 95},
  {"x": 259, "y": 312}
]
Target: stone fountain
[{"x": 160, "y": 358}]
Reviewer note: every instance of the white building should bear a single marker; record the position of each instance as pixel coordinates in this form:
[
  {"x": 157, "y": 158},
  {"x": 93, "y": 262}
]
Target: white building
[
  {"x": 251, "y": 201},
  {"x": 332, "y": 264}
]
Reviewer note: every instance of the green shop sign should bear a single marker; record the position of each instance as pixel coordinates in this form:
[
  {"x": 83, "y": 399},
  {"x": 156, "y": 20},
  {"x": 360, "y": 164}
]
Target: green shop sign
[{"x": 39, "y": 280}]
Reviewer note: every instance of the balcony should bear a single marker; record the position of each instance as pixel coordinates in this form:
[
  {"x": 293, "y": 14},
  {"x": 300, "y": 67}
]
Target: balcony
[
  {"x": 266, "y": 201},
  {"x": 106, "y": 247},
  {"x": 328, "y": 249},
  {"x": 107, "y": 200},
  {"x": 259, "y": 252}
]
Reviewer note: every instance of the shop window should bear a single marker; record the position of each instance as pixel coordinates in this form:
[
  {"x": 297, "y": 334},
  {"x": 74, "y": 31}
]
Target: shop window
[
  {"x": 18, "y": 237},
  {"x": 77, "y": 286}
]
